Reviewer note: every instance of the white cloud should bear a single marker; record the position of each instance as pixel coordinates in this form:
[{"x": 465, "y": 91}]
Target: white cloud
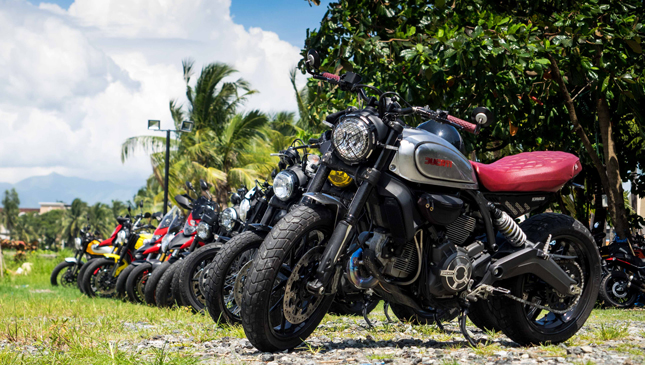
[{"x": 75, "y": 84}]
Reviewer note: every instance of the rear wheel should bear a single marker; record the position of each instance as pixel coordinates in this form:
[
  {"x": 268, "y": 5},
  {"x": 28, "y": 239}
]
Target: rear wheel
[
  {"x": 136, "y": 283},
  {"x": 98, "y": 280},
  {"x": 190, "y": 276},
  {"x": 175, "y": 286},
  {"x": 528, "y": 325},
  {"x": 122, "y": 280},
  {"x": 616, "y": 291},
  {"x": 65, "y": 274},
  {"x": 278, "y": 312},
  {"x": 225, "y": 272},
  {"x": 163, "y": 293},
  {"x": 151, "y": 285}
]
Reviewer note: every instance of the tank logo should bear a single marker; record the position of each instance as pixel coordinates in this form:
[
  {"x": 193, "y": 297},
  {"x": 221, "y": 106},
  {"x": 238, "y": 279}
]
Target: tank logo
[
  {"x": 438, "y": 162},
  {"x": 538, "y": 198}
]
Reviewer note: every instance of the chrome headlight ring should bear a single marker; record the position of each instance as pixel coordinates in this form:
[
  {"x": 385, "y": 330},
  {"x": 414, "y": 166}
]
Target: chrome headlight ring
[
  {"x": 121, "y": 236},
  {"x": 203, "y": 230},
  {"x": 284, "y": 184},
  {"x": 227, "y": 218},
  {"x": 245, "y": 206},
  {"x": 77, "y": 243},
  {"x": 354, "y": 139}
]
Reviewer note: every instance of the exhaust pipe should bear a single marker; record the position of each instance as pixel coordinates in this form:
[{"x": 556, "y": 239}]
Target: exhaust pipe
[{"x": 355, "y": 277}]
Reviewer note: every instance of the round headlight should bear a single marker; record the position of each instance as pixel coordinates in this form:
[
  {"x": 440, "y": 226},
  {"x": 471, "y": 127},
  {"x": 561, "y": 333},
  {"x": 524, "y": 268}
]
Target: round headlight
[
  {"x": 120, "y": 237},
  {"x": 353, "y": 139},
  {"x": 77, "y": 243},
  {"x": 284, "y": 184},
  {"x": 227, "y": 218},
  {"x": 203, "y": 230},
  {"x": 245, "y": 206},
  {"x": 166, "y": 241}
]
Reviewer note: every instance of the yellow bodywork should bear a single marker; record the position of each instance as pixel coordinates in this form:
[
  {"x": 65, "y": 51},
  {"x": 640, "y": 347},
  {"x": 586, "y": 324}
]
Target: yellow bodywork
[
  {"x": 339, "y": 179},
  {"x": 142, "y": 237},
  {"x": 89, "y": 248}
]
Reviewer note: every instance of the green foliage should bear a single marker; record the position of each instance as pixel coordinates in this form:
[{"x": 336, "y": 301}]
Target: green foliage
[
  {"x": 10, "y": 209},
  {"x": 493, "y": 54}
]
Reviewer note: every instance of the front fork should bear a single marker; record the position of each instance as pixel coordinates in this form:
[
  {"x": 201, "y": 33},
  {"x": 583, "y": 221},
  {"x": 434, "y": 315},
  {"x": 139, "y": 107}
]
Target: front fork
[{"x": 346, "y": 228}]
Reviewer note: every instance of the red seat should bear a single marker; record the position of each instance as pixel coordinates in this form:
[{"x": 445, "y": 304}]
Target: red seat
[{"x": 529, "y": 171}]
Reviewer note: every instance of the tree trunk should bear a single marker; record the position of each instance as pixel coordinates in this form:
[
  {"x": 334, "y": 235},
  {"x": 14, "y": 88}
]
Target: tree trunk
[
  {"x": 617, "y": 209},
  {"x": 602, "y": 170}
]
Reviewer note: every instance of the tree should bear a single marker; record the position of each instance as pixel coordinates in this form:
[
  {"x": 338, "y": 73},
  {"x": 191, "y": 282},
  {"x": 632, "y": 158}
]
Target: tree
[
  {"x": 559, "y": 75},
  {"x": 10, "y": 210},
  {"x": 74, "y": 220}
]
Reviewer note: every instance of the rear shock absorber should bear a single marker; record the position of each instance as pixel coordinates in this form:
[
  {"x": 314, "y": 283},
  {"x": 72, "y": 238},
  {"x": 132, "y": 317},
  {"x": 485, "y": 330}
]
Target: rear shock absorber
[{"x": 505, "y": 224}]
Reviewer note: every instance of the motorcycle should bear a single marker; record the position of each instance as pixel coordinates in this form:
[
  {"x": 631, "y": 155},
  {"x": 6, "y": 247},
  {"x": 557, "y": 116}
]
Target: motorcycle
[
  {"x": 150, "y": 255},
  {"x": 623, "y": 281},
  {"x": 101, "y": 275},
  {"x": 431, "y": 248},
  {"x": 228, "y": 270},
  {"x": 86, "y": 246}
]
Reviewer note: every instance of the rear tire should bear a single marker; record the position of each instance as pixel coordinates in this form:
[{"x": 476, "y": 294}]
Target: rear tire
[
  {"x": 153, "y": 281},
  {"x": 526, "y": 325},
  {"x": 225, "y": 267},
  {"x": 303, "y": 229},
  {"x": 175, "y": 286},
  {"x": 190, "y": 275},
  {"x": 67, "y": 278},
  {"x": 163, "y": 293},
  {"x": 137, "y": 280},
  {"x": 122, "y": 280}
]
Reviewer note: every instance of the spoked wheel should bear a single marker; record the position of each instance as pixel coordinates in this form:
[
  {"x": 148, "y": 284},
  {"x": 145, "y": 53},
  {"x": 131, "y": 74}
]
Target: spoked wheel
[
  {"x": 552, "y": 317},
  {"x": 278, "y": 312},
  {"x": 65, "y": 274},
  {"x": 616, "y": 291},
  {"x": 227, "y": 276},
  {"x": 99, "y": 280}
]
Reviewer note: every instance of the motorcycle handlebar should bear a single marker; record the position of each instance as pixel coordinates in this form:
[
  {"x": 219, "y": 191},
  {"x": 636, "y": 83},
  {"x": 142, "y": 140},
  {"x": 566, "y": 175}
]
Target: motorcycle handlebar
[
  {"x": 331, "y": 77},
  {"x": 442, "y": 117}
]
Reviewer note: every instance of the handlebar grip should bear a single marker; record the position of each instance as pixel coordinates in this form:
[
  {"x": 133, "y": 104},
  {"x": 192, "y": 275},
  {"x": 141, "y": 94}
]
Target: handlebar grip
[
  {"x": 331, "y": 77},
  {"x": 468, "y": 127}
]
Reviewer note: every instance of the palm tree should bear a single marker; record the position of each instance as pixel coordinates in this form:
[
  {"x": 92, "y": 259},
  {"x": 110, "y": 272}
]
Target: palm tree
[
  {"x": 74, "y": 220},
  {"x": 100, "y": 218}
]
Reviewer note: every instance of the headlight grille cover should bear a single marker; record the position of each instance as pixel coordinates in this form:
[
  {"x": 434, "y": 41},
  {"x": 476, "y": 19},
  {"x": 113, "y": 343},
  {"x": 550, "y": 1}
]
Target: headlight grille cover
[{"x": 353, "y": 139}]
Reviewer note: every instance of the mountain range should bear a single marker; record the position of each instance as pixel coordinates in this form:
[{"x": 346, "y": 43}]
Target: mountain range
[{"x": 58, "y": 188}]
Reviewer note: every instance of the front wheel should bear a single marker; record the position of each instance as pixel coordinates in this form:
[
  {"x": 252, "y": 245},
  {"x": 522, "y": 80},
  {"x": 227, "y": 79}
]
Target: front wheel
[
  {"x": 64, "y": 273},
  {"x": 616, "y": 291},
  {"x": 163, "y": 292},
  {"x": 278, "y": 312},
  {"x": 190, "y": 275},
  {"x": 136, "y": 283},
  {"x": 122, "y": 280},
  {"x": 98, "y": 280},
  {"x": 227, "y": 274},
  {"x": 529, "y": 325}
]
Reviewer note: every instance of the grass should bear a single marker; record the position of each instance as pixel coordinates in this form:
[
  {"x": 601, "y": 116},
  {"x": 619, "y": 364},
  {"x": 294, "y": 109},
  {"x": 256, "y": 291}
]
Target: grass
[{"x": 611, "y": 332}]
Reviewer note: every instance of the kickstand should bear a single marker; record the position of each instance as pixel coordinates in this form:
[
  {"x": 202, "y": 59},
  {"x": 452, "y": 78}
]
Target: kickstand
[
  {"x": 464, "y": 330},
  {"x": 365, "y": 316},
  {"x": 438, "y": 322},
  {"x": 386, "y": 308}
]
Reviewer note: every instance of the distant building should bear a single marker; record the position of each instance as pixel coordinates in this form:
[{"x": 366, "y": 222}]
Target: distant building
[
  {"x": 44, "y": 208},
  {"x": 48, "y": 207}
]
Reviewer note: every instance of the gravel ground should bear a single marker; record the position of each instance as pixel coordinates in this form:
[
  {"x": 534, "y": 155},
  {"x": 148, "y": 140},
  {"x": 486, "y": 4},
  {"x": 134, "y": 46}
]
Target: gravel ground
[{"x": 347, "y": 340}]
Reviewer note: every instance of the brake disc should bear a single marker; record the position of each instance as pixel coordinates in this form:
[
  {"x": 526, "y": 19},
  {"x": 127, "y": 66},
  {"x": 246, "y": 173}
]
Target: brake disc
[
  {"x": 299, "y": 304},
  {"x": 238, "y": 287}
]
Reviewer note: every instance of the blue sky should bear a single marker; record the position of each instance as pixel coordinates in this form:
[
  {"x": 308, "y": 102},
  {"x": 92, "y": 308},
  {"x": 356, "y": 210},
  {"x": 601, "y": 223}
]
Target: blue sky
[{"x": 288, "y": 18}]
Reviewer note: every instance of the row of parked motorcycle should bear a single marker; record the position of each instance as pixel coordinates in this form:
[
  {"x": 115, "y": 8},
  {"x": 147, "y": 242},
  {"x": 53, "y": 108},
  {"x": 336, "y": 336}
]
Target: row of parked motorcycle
[
  {"x": 385, "y": 212},
  {"x": 198, "y": 260}
]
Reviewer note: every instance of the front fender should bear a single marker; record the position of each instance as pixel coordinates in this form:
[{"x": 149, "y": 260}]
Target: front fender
[
  {"x": 72, "y": 259},
  {"x": 113, "y": 256},
  {"x": 327, "y": 200}
]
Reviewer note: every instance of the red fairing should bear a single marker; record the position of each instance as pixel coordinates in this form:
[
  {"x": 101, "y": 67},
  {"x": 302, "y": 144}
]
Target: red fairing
[
  {"x": 160, "y": 231},
  {"x": 187, "y": 244},
  {"x": 110, "y": 241},
  {"x": 153, "y": 249},
  {"x": 545, "y": 171}
]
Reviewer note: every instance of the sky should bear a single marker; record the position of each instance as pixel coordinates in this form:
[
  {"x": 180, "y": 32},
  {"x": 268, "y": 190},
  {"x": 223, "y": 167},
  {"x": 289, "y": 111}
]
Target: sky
[{"x": 79, "y": 77}]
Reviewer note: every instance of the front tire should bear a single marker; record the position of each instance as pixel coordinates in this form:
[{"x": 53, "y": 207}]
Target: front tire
[
  {"x": 220, "y": 297},
  {"x": 64, "y": 273},
  {"x": 122, "y": 280},
  {"x": 291, "y": 241},
  {"x": 163, "y": 293},
  {"x": 151, "y": 285},
  {"x": 527, "y": 325},
  {"x": 136, "y": 283},
  {"x": 190, "y": 275},
  {"x": 98, "y": 279},
  {"x": 614, "y": 290}
]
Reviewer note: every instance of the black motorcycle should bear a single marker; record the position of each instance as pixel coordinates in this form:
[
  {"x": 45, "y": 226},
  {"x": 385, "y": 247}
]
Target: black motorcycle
[
  {"x": 623, "y": 281},
  {"x": 86, "y": 247},
  {"x": 441, "y": 234}
]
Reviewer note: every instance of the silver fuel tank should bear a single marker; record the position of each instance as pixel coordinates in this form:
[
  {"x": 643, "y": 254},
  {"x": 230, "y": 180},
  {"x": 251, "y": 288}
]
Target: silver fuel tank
[{"x": 428, "y": 159}]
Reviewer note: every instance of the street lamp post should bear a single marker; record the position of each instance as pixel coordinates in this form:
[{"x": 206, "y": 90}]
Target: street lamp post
[{"x": 186, "y": 126}]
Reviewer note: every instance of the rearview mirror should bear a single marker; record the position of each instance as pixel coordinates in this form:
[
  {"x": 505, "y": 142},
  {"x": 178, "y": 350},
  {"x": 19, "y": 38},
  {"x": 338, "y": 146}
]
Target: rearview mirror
[
  {"x": 274, "y": 173},
  {"x": 313, "y": 60},
  {"x": 482, "y": 116},
  {"x": 147, "y": 215},
  {"x": 203, "y": 184}
]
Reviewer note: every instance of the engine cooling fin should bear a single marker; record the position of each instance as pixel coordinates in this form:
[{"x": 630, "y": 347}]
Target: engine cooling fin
[{"x": 459, "y": 230}]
